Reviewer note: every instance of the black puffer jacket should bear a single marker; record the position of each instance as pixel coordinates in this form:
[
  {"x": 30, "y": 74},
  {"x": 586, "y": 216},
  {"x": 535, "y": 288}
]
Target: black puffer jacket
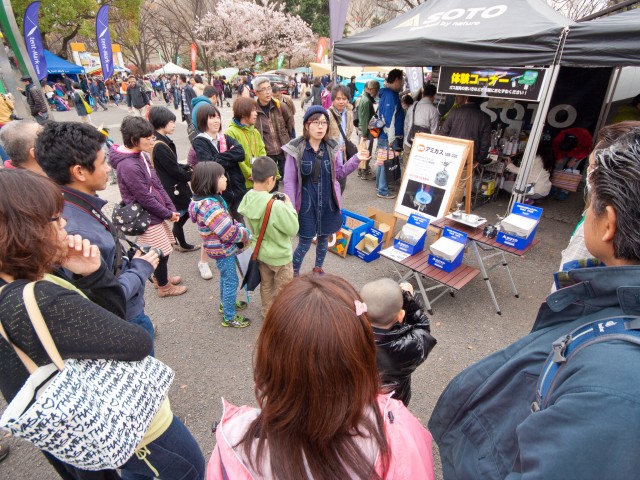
[
  {"x": 402, "y": 348},
  {"x": 174, "y": 176}
]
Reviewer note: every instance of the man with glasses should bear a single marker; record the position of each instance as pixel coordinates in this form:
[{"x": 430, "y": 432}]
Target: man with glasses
[
  {"x": 581, "y": 420},
  {"x": 272, "y": 123}
]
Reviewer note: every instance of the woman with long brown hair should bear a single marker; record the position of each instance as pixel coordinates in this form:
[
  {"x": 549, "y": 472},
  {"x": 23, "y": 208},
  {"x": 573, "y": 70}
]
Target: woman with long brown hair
[{"x": 321, "y": 415}]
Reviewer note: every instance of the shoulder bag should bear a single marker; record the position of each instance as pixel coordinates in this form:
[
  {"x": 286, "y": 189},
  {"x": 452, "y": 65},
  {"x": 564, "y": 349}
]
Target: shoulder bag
[
  {"x": 252, "y": 277},
  {"x": 415, "y": 128},
  {"x": 350, "y": 147},
  {"x": 91, "y": 414}
]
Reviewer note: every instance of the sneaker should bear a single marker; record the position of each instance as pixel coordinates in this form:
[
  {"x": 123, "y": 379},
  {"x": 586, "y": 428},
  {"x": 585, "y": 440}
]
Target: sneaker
[
  {"x": 388, "y": 195},
  {"x": 205, "y": 271},
  {"x": 236, "y": 322},
  {"x": 240, "y": 305}
]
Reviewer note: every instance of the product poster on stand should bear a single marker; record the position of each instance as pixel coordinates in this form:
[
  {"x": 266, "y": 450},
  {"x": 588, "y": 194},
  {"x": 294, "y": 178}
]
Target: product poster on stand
[{"x": 432, "y": 174}]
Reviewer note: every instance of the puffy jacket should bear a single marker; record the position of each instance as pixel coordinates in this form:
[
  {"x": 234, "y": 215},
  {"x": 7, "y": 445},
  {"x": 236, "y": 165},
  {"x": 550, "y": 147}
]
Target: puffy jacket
[
  {"x": 403, "y": 348},
  {"x": 293, "y": 178},
  {"x": 470, "y": 123},
  {"x": 252, "y": 144},
  {"x": 35, "y": 99},
  {"x": 411, "y": 456},
  {"x": 137, "y": 184},
  {"x": 483, "y": 422},
  {"x": 273, "y": 128},
  {"x": 222, "y": 236},
  {"x": 230, "y": 160}
]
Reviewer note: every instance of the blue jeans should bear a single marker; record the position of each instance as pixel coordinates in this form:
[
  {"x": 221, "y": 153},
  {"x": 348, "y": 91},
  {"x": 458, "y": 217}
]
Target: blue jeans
[
  {"x": 304, "y": 244},
  {"x": 143, "y": 320},
  {"x": 381, "y": 178},
  {"x": 228, "y": 285},
  {"x": 174, "y": 455}
]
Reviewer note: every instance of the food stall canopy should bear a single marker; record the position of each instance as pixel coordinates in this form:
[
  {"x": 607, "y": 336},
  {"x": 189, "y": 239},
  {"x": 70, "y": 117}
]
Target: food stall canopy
[
  {"x": 57, "y": 65},
  {"x": 607, "y": 41},
  {"x": 460, "y": 33}
]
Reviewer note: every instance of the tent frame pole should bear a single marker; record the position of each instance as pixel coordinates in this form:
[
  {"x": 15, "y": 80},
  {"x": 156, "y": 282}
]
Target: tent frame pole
[
  {"x": 606, "y": 106},
  {"x": 538, "y": 126}
]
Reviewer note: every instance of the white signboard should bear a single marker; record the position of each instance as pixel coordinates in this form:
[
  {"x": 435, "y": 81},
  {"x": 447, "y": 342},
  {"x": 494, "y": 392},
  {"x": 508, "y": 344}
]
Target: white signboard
[{"x": 432, "y": 174}]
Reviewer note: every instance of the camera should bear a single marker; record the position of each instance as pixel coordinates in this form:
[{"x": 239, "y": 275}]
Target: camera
[
  {"x": 280, "y": 196},
  {"x": 146, "y": 249}
]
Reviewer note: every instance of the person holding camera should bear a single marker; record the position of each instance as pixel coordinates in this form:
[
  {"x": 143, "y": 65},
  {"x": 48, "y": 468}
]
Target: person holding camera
[
  {"x": 71, "y": 154},
  {"x": 275, "y": 255},
  {"x": 223, "y": 238}
]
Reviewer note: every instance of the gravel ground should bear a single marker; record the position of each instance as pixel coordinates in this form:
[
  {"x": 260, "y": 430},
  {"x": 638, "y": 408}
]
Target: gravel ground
[{"x": 211, "y": 361}]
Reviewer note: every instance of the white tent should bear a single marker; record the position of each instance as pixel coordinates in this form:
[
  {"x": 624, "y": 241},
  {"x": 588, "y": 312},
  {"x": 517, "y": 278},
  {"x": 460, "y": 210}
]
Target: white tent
[{"x": 173, "y": 69}]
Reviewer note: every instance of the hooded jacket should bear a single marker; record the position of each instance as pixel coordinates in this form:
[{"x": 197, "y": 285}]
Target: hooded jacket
[
  {"x": 275, "y": 248},
  {"x": 206, "y": 152},
  {"x": 483, "y": 422},
  {"x": 390, "y": 108},
  {"x": 221, "y": 235},
  {"x": 252, "y": 144},
  {"x": 411, "y": 456},
  {"x": 196, "y": 103},
  {"x": 273, "y": 128},
  {"x": 293, "y": 178},
  {"x": 137, "y": 184}
]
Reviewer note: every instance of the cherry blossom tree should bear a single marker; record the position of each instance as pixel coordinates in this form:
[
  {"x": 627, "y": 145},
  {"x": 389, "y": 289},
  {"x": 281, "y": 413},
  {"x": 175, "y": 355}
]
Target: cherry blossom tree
[{"x": 237, "y": 31}]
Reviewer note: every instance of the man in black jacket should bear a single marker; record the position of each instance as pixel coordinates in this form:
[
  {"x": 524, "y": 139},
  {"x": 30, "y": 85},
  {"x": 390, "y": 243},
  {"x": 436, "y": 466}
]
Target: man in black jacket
[
  {"x": 469, "y": 123},
  {"x": 35, "y": 99},
  {"x": 137, "y": 99}
]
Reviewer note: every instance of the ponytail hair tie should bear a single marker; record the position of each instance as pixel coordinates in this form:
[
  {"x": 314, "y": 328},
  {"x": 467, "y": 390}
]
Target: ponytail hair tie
[{"x": 361, "y": 307}]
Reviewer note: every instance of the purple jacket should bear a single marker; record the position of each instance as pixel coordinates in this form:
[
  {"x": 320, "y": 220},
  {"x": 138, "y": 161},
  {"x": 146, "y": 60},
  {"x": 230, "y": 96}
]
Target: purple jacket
[
  {"x": 137, "y": 184},
  {"x": 293, "y": 178}
]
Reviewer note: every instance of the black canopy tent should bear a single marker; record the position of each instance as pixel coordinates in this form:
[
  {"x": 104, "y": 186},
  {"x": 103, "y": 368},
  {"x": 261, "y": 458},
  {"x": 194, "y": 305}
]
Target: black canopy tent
[{"x": 510, "y": 34}]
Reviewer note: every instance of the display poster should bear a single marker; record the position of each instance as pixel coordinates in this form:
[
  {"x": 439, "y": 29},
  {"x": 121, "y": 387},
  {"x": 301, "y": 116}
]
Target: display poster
[
  {"x": 498, "y": 82},
  {"x": 431, "y": 175}
]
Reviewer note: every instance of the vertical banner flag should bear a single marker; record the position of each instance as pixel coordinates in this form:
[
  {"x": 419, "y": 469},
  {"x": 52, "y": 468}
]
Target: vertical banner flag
[
  {"x": 322, "y": 47},
  {"x": 103, "y": 39},
  {"x": 337, "y": 18},
  {"x": 415, "y": 78},
  {"x": 33, "y": 40},
  {"x": 194, "y": 55}
]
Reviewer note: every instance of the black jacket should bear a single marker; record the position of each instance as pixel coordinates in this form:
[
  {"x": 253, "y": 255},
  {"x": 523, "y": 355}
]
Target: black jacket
[
  {"x": 470, "y": 123},
  {"x": 402, "y": 348},
  {"x": 173, "y": 176},
  {"x": 230, "y": 160},
  {"x": 188, "y": 93},
  {"x": 136, "y": 97}
]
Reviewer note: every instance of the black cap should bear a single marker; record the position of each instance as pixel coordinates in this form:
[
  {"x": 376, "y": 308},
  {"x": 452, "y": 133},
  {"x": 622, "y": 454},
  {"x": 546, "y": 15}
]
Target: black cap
[{"x": 26, "y": 78}]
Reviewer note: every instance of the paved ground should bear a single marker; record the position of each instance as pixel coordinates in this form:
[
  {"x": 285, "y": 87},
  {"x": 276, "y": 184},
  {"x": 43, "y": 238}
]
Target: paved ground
[{"x": 211, "y": 361}]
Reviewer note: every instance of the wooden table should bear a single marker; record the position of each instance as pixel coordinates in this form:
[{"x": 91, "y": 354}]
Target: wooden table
[
  {"x": 419, "y": 268},
  {"x": 486, "y": 244}
]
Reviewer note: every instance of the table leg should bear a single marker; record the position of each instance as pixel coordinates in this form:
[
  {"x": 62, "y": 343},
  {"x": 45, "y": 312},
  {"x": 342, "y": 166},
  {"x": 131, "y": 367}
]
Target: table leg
[
  {"x": 485, "y": 276},
  {"x": 506, "y": 267},
  {"x": 427, "y": 305}
]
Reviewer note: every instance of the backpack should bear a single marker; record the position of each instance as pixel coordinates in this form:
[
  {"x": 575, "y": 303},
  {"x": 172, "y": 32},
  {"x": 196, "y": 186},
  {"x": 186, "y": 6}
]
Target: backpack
[{"x": 564, "y": 348}]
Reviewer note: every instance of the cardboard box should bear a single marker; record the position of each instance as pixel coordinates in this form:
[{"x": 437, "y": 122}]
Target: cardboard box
[
  {"x": 449, "y": 235},
  {"x": 341, "y": 243},
  {"x": 358, "y": 226},
  {"x": 374, "y": 235},
  {"x": 421, "y": 224},
  {"x": 530, "y": 213},
  {"x": 385, "y": 222}
]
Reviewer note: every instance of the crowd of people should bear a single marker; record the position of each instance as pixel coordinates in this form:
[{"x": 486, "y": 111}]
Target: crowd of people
[{"x": 333, "y": 384}]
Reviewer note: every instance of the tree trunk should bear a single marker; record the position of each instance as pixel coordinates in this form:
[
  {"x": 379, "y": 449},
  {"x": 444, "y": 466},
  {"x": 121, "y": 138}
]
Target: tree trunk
[{"x": 63, "y": 52}]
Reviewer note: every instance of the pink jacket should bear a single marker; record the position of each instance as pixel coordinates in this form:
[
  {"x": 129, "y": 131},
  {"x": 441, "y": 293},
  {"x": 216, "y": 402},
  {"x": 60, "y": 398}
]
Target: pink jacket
[{"x": 409, "y": 442}]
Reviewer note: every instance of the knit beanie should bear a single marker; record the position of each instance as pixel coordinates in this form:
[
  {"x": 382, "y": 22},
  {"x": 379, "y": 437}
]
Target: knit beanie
[{"x": 313, "y": 110}]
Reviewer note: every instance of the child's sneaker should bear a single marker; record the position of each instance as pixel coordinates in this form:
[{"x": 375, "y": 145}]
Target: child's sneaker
[
  {"x": 236, "y": 322},
  {"x": 240, "y": 305}
]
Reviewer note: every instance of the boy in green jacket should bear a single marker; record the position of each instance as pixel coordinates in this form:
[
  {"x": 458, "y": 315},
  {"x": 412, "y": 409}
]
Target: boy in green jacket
[
  {"x": 242, "y": 129},
  {"x": 276, "y": 254}
]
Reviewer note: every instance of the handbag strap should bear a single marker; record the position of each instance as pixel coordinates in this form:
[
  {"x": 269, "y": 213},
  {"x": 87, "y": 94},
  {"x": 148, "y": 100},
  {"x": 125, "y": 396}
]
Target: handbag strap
[
  {"x": 39, "y": 325},
  {"x": 263, "y": 228},
  {"x": 339, "y": 122}
]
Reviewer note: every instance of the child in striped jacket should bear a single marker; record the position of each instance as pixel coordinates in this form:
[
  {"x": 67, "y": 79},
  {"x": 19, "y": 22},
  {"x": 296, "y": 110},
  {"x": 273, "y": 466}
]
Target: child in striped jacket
[{"x": 223, "y": 238}]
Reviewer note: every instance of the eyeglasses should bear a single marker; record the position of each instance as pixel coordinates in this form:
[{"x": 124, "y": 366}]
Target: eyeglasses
[{"x": 319, "y": 123}]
